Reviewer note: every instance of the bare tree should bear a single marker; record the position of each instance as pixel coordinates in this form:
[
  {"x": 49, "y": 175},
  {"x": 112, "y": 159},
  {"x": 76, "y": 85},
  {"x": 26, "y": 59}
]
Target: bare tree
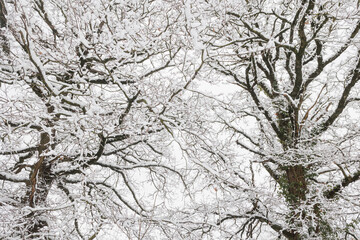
[
  {"x": 296, "y": 67},
  {"x": 179, "y": 119},
  {"x": 85, "y": 117}
]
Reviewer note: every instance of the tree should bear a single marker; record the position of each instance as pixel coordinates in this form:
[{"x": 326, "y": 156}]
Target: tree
[
  {"x": 106, "y": 106},
  {"x": 86, "y": 112},
  {"x": 296, "y": 66}
]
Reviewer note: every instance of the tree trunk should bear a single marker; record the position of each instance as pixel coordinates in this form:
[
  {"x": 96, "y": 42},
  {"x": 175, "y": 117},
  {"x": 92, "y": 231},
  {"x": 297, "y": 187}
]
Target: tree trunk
[
  {"x": 4, "y": 43},
  {"x": 296, "y": 184},
  {"x": 295, "y": 194},
  {"x": 40, "y": 182}
]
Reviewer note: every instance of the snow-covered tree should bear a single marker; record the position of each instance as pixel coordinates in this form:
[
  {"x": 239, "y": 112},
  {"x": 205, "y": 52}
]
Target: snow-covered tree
[
  {"x": 86, "y": 114},
  {"x": 296, "y": 65},
  {"x": 156, "y": 119}
]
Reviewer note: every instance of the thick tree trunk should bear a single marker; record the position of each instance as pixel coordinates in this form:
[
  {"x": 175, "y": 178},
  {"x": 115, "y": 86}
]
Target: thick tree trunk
[
  {"x": 294, "y": 179},
  {"x": 296, "y": 188},
  {"x": 295, "y": 193}
]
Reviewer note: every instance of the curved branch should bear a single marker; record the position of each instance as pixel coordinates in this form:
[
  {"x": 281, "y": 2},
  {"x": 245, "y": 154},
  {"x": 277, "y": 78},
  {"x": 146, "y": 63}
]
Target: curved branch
[{"x": 342, "y": 102}]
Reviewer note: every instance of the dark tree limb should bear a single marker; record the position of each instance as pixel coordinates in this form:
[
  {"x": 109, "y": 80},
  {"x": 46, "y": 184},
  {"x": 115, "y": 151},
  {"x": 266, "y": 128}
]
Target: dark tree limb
[{"x": 330, "y": 194}]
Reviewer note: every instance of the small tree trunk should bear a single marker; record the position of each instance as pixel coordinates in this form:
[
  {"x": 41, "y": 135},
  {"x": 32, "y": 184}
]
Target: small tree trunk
[
  {"x": 4, "y": 43},
  {"x": 41, "y": 179}
]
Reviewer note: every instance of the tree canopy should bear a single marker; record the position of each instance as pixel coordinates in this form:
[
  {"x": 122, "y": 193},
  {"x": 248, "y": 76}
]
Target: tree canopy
[{"x": 155, "y": 119}]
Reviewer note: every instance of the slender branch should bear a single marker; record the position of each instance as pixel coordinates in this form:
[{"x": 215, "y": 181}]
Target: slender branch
[{"x": 342, "y": 102}]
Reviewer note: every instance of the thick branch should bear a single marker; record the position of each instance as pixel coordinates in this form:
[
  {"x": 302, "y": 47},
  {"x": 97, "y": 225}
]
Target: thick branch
[
  {"x": 344, "y": 183},
  {"x": 12, "y": 178}
]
